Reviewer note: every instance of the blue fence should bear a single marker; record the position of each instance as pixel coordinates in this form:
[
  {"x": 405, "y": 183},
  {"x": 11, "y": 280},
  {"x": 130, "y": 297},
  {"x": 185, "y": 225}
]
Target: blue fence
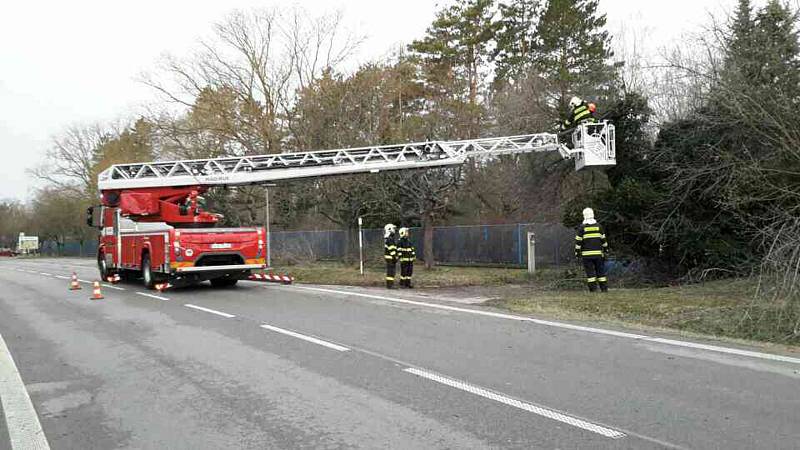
[
  {"x": 470, "y": 244},
  {"x": 69, "y": 248}
]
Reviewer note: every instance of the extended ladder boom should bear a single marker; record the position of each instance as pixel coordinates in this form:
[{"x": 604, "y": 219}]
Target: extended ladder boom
[{"x": 593, "y": 146}]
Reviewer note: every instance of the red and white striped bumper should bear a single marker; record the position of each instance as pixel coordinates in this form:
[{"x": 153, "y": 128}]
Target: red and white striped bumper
[{"x": 271, "y": 278}]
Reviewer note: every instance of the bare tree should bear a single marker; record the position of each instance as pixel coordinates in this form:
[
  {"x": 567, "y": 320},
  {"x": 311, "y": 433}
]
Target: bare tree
[
  {"x": 69, "y": 161},
  {"x": 428, "y": 196},
  {"x": 240, "y": 85}
]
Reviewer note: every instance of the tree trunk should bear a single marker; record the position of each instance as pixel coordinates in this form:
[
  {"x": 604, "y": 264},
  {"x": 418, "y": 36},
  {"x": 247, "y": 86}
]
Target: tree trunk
[
  {"x": 427, "y": 235},
  {"x": 350, "y": 245}
]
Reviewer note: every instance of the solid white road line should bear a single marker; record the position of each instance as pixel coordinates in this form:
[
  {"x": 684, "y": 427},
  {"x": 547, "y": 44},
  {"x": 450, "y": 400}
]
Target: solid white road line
[
  {"x": 549, "y": 323},
  {"x": 113, "y": 287},
  {"x": 209, "y": 310},
  {"x": 84, "y": 281},
  {"x": 153, "y": 296},
  {"x": 306, "y": 338},
  {"x": 541, "y": 411},
  {"x": 46, "y": 274},
  {"x": 24, "y": 429},
  {"x": 62, "y": 277}
]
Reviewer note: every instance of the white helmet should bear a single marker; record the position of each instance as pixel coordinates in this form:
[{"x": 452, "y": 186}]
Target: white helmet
[
  {"x": 588, "y": 214},
  {"x": 403, "y": 232},
  {"x": 575, "y": 102},
  {"x": 388, "y": 230}
]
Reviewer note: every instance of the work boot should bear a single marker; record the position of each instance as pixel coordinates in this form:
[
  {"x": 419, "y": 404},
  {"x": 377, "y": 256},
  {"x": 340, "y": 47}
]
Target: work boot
[
  {"x": 603, "y": 287},
  {"x": 389, "y": 284},
  {"x": 592, "y": 287}
]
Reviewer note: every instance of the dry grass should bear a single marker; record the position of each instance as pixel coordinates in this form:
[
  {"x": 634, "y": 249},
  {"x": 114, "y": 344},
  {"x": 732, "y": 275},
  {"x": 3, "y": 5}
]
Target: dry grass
[
  {"x": 439, "y": 276},
  {"x": 717, "y": 308}
]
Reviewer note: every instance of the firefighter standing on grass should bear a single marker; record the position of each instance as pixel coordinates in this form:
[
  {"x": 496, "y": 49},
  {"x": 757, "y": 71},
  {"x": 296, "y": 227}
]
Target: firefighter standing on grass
[
  {"x": 591, "y": 246},
  {"x": 405, "y": 249},
  {"x": 390, "y": 253}
]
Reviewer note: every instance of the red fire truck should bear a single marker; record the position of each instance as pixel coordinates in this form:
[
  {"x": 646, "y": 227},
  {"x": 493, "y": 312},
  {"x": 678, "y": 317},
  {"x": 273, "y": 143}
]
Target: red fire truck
[
  {"x": 154, "y": 225},
  {"x": 164, "y": 236}
]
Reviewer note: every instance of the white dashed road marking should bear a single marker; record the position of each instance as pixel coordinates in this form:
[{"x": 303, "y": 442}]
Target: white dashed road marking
[
  {"x": 24, "y": 429},
  {"x": 153, "y": 296},
  {"x": 209, "y": 310},
  {"x": 113, "y": 287},
  {"x": 549, "y": 323},
  {"x": 46, "y": 274},
  {"x": 62, "y": 277},
  {"x": 312, "y": 339},
  {"x": 541, "y": 411}
]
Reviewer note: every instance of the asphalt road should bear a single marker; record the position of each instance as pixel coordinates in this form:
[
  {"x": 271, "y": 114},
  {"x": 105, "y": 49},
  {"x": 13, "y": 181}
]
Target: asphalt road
[{"x": 271, "y": 366}]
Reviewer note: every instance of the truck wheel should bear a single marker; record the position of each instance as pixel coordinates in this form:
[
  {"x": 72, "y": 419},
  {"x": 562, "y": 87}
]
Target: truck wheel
[
  {"x": 147, "y": 272},
  {"x": 223, "y": 282},
  {"x": 102, "y": 266}
]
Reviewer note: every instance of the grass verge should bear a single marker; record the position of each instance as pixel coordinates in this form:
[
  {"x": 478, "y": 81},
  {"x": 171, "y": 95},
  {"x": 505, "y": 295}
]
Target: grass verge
[
  {"x": 724, "y": 308},
  {"x": 436, "y": 277}
]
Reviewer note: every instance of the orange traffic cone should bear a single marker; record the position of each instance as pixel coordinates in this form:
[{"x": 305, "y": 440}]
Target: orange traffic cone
[
  {"x": 74, "y": 285},
  {"x": 96, "y": 294}
]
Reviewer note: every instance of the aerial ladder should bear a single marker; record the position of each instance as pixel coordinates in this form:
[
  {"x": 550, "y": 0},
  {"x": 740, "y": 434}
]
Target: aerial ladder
[{"x": 155, "y": 207}]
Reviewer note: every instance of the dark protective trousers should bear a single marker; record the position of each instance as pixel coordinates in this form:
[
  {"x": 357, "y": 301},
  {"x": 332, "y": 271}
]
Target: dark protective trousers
[
  {"x": 595, "y": 267},
  {"x": 391, "y": 267},
  {"x": 406, "y": 271}
]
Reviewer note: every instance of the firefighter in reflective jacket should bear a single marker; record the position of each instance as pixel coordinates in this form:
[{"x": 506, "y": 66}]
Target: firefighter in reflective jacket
[
  {"x": 581, "y": 112},
  {"x": 405, "y": 249},
  {"x": 390, "y": 253},
  {"x": 591, "y": 246}
]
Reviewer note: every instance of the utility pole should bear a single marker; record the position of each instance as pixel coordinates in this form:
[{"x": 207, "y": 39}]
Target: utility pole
[
  {"x": 266, "y": 224},
  {"x": 360, "y": 246}
]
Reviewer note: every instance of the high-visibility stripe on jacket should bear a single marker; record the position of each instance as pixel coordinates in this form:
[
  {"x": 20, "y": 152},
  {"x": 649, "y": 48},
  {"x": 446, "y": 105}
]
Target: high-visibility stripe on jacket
[
  {"x": 390, "y": 249},
  {"x": 590, "y": 240},
  {"x": 405, "y": 250},
  {"x": 580, "y": 113}
]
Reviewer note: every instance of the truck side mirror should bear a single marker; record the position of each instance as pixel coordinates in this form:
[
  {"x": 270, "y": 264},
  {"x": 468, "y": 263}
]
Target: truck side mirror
[{"x": 94, "y": 216}]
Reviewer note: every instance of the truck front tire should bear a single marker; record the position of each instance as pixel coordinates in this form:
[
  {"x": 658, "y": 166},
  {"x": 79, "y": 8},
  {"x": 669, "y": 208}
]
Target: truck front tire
[
  {"x": 102, "y": 266},
  {"x": 147, "y": 272}
]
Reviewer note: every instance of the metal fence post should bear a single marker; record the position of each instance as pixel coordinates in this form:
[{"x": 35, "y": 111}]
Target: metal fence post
[
  {"x": 519, "y": 244},
  {"x": 558, "y": 255},
  {"x": 266, "y": 227},
  {"x": 360, "y": 246},
  {"x": 531, "y": 252}
]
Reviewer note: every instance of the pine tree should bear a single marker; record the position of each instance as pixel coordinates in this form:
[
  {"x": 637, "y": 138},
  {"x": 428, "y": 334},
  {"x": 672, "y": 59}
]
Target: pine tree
[
  {"x": 455, "y": 51},
  {"x": 515, "y": 38},
  {"x": 741, "y": 28},
  {"x": 776, "y": 39},
  {"x": 573, "y": 50}
]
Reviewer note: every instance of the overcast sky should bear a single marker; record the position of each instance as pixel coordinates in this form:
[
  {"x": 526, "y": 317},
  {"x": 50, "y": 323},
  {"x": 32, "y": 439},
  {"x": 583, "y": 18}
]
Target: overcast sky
[{"x": 73, "y": 62}]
